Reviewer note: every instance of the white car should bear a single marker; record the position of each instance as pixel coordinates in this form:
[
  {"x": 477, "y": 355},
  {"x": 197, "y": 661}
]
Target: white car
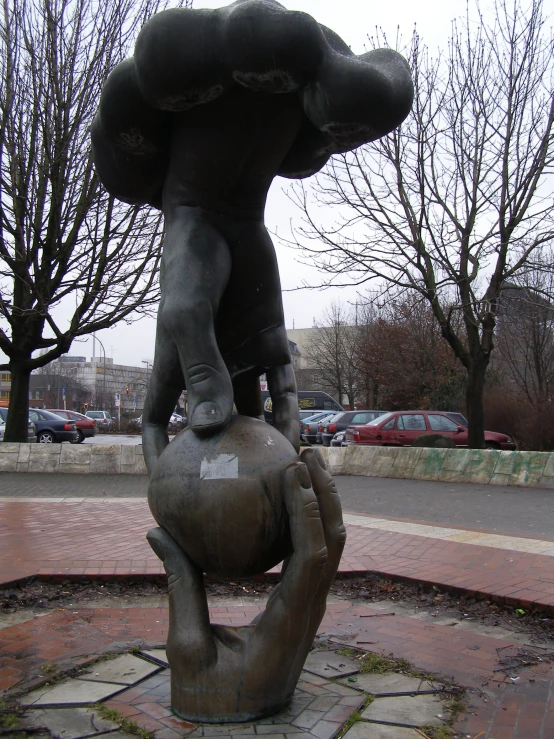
[{"x": 32, "y": 432}]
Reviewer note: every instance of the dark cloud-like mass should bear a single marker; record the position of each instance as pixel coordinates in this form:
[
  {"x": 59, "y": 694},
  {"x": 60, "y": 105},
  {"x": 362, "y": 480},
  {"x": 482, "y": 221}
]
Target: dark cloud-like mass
[{"x": 185, "y": 57}]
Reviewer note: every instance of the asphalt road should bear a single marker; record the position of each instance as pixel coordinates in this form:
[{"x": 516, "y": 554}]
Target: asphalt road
[
  {"x": 503, "y": 509},
  {"x": 499, "y": 508}
]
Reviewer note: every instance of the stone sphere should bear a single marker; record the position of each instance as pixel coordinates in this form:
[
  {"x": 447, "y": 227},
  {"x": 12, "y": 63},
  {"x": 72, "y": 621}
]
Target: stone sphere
[{"x": 221, "y": 497}]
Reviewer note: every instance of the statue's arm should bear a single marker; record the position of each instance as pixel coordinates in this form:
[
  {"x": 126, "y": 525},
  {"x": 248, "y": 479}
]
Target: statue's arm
[
  {"x": 130, "y": 140},
  {"x": 357, "y": 99}
]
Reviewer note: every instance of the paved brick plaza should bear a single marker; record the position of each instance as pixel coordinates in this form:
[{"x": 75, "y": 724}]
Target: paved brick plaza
[{"x": 105, "y": 538}]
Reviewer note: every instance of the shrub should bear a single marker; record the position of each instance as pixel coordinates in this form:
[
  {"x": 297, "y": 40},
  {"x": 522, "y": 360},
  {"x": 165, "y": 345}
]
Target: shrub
[{"x": 531, "y": 426}]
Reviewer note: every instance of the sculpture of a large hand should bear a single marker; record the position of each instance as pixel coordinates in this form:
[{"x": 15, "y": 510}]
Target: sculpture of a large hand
[{"x": 221, "y": 673}]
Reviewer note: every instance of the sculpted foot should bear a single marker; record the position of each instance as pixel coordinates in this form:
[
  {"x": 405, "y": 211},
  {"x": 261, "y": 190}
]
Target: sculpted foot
[{"x": 207, "y": 418}]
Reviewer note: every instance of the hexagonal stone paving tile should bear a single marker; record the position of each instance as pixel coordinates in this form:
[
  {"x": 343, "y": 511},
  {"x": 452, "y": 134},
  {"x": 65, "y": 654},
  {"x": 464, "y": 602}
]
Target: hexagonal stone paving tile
[
  {"x": 318, "y": 710},
  {"x": 362, "y": 730},
  {"x": 330, "y": 664},
  {"x": 125, "y": 670},
  {"x": 391, "y": 684},
  {"x": 405, "y": 710},
  {"x": 71, "y": 693},
  {"x": 72, "y": 723}
]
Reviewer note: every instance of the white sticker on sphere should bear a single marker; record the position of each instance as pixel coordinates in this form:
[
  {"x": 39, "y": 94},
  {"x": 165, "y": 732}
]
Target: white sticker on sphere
[{"x": 222, "y": 467}]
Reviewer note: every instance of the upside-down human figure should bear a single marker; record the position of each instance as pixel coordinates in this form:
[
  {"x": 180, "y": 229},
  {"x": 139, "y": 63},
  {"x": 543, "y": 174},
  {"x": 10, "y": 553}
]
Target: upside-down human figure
[{"x": 213, "y": 106}]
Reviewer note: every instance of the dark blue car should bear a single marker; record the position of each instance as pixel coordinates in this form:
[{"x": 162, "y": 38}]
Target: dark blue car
[{"x": 52, "y": 429}]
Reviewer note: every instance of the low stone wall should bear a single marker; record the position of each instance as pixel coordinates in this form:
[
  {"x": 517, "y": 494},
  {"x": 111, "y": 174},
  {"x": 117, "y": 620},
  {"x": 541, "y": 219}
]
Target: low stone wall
[
  {"x": 85, "y": 458},
  {"x": 447, "y": 465},
  {"x": 489, "y": 466}
]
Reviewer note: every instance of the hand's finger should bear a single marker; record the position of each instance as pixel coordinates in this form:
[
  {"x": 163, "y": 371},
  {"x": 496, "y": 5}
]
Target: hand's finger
[
  {"x": 304, "y": 568},
  {"x": 175, "y": 561},
  {"x": 288, "y": 613},
  {"x": 189, "y": 619},
  {"x": 329, "y": 506},
  {"x": 303, "y": 509}
]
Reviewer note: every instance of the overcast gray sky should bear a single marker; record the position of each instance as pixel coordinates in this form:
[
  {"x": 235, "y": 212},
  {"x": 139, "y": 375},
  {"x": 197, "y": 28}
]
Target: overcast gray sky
[{"x": 353, "y": 20}]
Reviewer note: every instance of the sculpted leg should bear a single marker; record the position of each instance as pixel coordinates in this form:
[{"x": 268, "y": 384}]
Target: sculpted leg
[
  {"x": 248, "y": 396},
  {"x": 282, "y": 388},
  {"x": 197, "y": 265},
  {"x": 165, "y": 385}
]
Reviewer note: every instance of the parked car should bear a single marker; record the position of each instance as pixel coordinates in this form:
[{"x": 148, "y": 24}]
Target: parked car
[
  {"x": 340, "y": 421},
  {"x": 102, "y": 419},
  {"x": 338, "y": 439},
  {"x": 307, "y": 416},
  {"x": 309, "y": 427},
  {"x": 304, "y": 415},
  {"x": 31, "y": 430},
  {"x": 308, "y": 400},
  {"x": 457, "y": 418},
  {"x": 85, "y": 426},
  {"x": 176, "y": 423},
  {"x": 402, "y": 427},
  {"x": 51, "y": 428},
  {"x": 136, "y": 423}
]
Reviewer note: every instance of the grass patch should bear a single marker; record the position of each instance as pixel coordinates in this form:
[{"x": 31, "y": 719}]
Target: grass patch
[
  {"x": 378, "y": 664},
  {"x": 9, "y": 719},
  {"x": 355, "y": 717},
  {"x": 348, "y": 652},
  {"x": 437, "y": 732},
  {"x": 110, "y": 714},
  {"x": 455, "y": 708}
]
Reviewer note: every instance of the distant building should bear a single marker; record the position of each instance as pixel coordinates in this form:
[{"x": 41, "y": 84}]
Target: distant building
[
  {"x": 296, "y": 359},
  {"x": 5, "y": 387},
  {"x": 74, "y": 382},
  {"x": 301, "y": 339}
]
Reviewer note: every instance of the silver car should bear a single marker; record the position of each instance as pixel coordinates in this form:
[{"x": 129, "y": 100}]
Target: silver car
[
  {"x": 31, "y": 430},
  {"x": 102, "y": 419}
]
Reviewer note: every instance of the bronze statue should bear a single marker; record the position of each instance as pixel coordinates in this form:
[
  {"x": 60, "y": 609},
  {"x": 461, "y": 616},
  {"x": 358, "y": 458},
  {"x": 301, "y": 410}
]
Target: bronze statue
[{"x": 213, "y": 106}]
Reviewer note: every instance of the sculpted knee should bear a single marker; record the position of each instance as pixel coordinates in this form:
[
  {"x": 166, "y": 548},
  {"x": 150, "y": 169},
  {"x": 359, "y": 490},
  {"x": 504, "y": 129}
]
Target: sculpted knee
[{"x": 184, "y": 314}]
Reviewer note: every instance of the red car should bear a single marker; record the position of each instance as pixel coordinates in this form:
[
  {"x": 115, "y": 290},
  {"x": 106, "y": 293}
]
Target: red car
[
  {"x": 402, "y": 427},
  {"x": 85, "y": 426}
]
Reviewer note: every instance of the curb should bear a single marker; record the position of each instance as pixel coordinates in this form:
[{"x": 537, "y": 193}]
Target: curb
[
  {"x": 483, "y": 466},
  {"x": 274, "y": 576}
]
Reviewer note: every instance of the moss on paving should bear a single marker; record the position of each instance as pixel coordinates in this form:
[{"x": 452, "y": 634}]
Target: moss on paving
[{"x": 131, "y": 727}]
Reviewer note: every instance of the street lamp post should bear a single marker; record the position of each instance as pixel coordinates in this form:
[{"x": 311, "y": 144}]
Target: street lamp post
[
  {"x": 64, "y": 394},
  {"x": 148, "y": 364},
  {"x": 95, "y": 338}
]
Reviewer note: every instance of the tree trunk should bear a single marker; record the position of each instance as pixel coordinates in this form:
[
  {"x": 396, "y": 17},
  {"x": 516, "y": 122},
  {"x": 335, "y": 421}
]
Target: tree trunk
[
  {"x": 375, "y": 403},
  {"x": 474, "y": 404},
  {"x": 18, "y": 410}
]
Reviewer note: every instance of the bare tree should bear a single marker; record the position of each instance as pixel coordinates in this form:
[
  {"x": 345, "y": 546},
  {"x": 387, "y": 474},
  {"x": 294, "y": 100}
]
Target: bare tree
[
  {"x": 72, "y": 259},
  {"x": 403, "y": 359},
  {"x": 332, "y": 352},
  {"x": 457, "y": 201}
]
